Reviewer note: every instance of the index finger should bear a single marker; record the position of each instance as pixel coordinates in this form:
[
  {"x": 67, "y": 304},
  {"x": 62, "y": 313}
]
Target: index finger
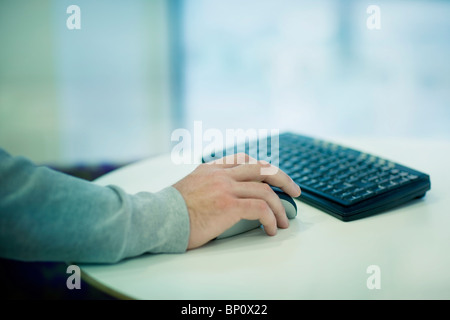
[
  {"x": 233, "y": 160},
  {"x": 253, "y": 172}
]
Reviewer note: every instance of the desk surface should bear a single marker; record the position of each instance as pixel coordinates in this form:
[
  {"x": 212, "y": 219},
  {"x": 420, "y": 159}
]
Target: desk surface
[{"x": 317, "y": 257}]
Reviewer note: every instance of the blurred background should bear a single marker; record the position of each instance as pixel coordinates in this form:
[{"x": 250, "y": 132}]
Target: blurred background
[{"x": 114, "y": 90}]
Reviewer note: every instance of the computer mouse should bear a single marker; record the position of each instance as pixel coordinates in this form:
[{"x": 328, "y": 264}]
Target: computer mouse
[{"x": 247, "y": 225}]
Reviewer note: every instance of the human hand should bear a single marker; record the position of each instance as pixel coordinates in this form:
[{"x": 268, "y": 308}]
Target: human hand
[{"x": 221, "y": 193}]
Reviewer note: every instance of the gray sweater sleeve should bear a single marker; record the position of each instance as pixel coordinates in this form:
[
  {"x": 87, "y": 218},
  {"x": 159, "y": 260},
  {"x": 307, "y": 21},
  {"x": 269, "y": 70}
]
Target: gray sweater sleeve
[{"x": 49, "y": 216}]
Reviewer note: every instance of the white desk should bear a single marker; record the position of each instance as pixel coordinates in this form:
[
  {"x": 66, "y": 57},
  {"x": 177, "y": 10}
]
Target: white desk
[{"x": 317, "y": 257}]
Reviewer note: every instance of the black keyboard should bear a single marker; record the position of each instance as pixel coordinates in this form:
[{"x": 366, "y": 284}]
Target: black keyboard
[{"x": 341, "y": 181}]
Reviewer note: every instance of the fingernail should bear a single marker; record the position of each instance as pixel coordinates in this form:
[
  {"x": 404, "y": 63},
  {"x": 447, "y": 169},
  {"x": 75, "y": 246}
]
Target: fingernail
[{"x": 297, "y": 187}]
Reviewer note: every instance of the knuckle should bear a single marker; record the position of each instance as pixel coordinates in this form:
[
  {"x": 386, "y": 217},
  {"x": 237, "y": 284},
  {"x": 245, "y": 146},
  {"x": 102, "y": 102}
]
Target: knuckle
[
  {"x": 262, "y": 206},
  {"x": 241, "y": 154},
  {"x": 266, "y": 211},
  {"x": 264, "y": 165},
  {"x": 224, "y": 203},
  {"x": 267, "y": 190},
  {"x": 241, "y": 158}
]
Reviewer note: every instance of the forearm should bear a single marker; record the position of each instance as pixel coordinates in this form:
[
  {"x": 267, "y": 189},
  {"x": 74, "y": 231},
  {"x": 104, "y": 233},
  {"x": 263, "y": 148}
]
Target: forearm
[{"x": 49, "y": 216}]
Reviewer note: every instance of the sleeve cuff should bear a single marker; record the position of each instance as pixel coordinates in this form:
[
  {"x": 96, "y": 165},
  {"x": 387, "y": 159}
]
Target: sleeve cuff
[{"x": 164, "y": 225}]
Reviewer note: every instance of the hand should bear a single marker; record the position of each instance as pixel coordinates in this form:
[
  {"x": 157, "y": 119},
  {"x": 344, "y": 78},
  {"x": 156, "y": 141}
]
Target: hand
[{"x": 221, "y": 193}]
